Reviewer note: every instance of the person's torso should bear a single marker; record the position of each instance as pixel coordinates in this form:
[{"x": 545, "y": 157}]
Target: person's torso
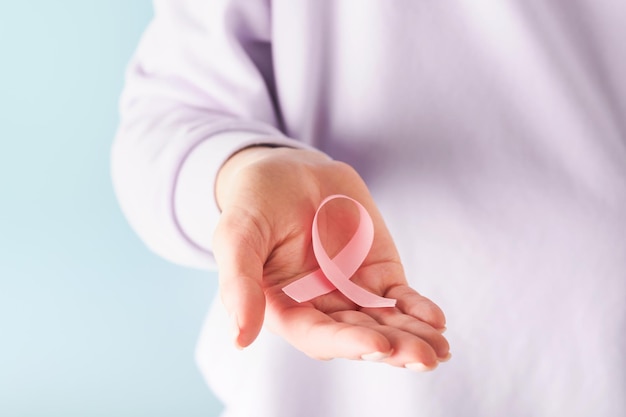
[{"x": 493, "y": 137}]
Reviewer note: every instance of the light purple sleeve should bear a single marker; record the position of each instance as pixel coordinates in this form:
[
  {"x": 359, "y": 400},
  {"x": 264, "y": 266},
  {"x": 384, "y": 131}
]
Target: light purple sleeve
[{"x": 199, "y": 88}]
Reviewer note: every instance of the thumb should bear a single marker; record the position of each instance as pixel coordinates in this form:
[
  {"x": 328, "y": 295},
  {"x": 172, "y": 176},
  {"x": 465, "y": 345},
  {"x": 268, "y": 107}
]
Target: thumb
[{"x": 238, "y": 247}]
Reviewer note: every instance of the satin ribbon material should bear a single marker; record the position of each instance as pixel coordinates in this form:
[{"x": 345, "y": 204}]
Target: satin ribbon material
[{"x": 336, "y": 273}]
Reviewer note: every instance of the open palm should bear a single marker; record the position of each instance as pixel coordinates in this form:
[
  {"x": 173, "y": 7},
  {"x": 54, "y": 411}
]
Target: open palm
[{"x": 263, "y": 242}]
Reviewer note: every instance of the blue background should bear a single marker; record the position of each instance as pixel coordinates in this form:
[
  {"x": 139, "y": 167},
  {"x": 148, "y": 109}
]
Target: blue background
[{"x": 91, "y": 323}]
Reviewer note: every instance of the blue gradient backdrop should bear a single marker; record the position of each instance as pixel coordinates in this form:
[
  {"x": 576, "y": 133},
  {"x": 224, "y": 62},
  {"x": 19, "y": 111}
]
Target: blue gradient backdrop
[{"x": 91, "y": 323}]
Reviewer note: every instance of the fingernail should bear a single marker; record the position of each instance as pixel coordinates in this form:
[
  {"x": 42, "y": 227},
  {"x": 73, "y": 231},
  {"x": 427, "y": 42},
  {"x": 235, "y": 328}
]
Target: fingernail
[
  {"x": 375, "y": 357},
  {"x": 419, "y": 367},
  {"x": 443, "y": 330},
  {"x": 234, "y": 330},
  {"x": 446, "y": 358}
]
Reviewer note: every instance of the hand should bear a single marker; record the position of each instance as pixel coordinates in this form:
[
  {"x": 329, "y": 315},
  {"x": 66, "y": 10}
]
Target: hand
[{"x": 268, "y": 198}]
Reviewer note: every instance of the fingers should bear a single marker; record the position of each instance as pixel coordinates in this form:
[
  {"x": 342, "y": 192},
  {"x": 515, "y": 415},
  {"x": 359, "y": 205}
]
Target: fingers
[
  {"x": 412, "y": 327},
  {"x": 322, "y": 337},
  {"x": 418, "y": 306},
  {"x": 375, "y": 334},
  {"x": 415, "y": 345},
  {"x": 238, "y": 248}
]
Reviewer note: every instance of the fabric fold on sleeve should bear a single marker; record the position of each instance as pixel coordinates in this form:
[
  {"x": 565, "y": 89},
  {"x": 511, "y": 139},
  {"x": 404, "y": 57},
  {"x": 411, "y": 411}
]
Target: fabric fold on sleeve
[{"x": 199, "y": 88}]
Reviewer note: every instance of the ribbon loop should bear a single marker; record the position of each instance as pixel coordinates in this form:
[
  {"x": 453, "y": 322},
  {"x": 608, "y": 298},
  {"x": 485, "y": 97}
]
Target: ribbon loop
[{"x": 336, "y": 273}]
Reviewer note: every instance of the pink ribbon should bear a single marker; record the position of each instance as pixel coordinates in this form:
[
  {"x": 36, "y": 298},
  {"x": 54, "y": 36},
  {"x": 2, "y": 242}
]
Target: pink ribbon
[{"x": 336, "y": 273}]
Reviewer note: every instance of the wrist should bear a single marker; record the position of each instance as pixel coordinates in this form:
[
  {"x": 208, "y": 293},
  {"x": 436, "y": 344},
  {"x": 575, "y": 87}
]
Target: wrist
[
  {"x": 235, "y": 164},
  {"x": 256, "y": 155}
]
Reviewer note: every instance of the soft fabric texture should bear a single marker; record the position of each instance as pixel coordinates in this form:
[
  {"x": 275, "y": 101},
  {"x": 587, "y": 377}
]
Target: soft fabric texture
[{"x": 492, "y": 136}]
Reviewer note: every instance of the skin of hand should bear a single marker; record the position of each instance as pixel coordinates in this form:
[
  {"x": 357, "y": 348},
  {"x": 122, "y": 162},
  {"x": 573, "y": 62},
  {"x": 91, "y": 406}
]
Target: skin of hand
[{"x": 268, "y": 197}]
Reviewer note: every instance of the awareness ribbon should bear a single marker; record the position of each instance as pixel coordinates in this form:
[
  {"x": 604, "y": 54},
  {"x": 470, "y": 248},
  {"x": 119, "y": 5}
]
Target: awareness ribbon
[{"x": 336, "y": 273}]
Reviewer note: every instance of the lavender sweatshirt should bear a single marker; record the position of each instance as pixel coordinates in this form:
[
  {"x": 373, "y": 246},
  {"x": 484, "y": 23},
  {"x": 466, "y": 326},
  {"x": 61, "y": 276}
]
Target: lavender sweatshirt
[{"x": 492, "y": 135}]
